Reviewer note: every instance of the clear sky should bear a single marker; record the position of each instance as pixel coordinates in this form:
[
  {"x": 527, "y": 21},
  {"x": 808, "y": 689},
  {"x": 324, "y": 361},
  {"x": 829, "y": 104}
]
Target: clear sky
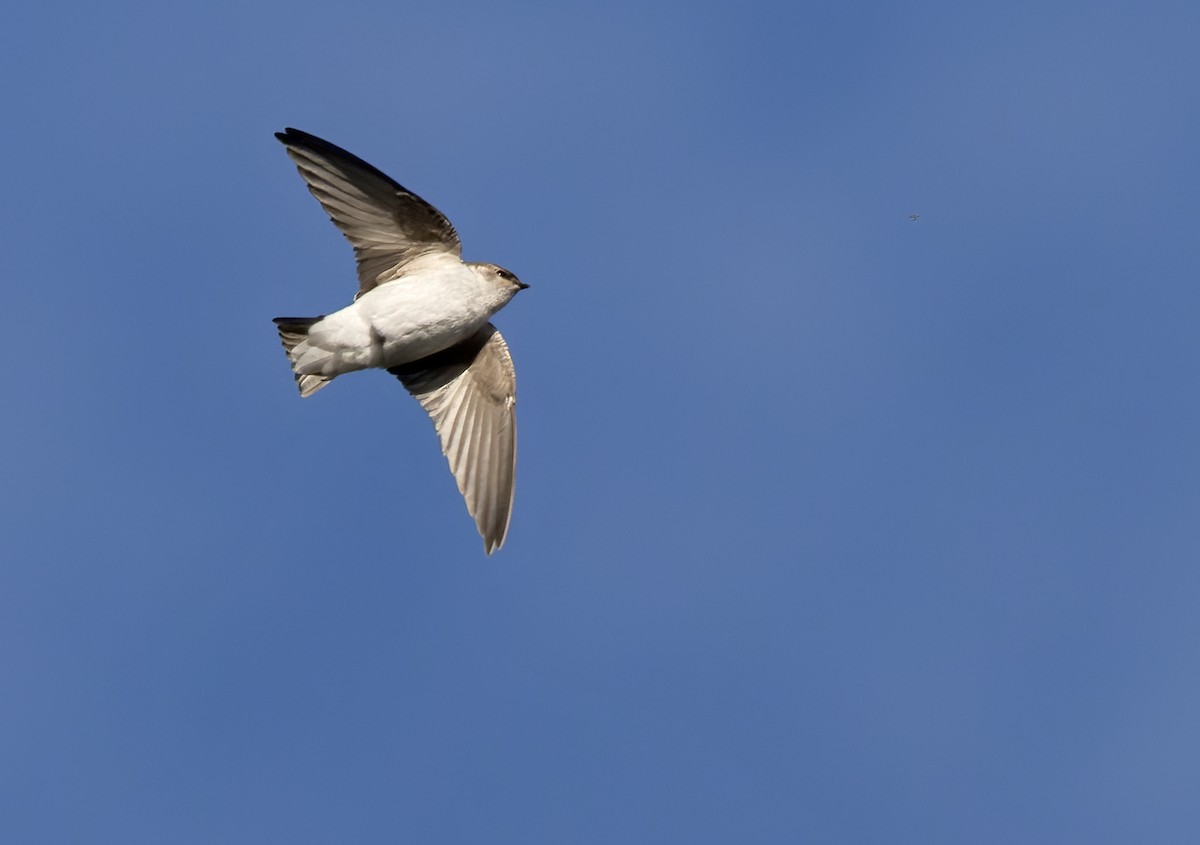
[{"x": 831, "y": 525}]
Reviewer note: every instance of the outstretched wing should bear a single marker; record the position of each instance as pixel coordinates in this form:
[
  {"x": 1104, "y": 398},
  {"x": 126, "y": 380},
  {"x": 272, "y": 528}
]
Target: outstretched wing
[
  {"x": 387, "y": 224},
  {"x": 470, "y": 392}
]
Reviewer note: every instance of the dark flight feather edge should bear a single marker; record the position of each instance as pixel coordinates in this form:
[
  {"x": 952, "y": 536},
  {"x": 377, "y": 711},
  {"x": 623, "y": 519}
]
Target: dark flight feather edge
[{"x": 299, "y": 138}]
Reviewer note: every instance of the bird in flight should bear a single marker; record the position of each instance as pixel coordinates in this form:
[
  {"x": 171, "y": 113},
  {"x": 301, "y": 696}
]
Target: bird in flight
[{"x": 422, "y": 314}]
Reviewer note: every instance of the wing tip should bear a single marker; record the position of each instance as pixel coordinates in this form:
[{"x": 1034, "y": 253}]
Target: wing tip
[
  {"x": 301, "y": 140},
  {"x": 494, "y": 542},
  {"x": 290, "y": 135}
]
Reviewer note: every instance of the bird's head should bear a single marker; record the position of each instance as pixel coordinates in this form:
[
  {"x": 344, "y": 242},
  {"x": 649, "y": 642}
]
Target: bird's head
[{"x": 500, "y": 277}]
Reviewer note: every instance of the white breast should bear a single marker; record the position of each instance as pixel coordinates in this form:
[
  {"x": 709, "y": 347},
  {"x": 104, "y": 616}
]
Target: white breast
[{"x": 409, "y": 318}]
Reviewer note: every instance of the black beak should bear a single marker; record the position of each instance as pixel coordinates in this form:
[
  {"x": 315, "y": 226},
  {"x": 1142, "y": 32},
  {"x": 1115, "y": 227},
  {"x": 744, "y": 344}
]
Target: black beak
[{"x": 521, "y": 285}]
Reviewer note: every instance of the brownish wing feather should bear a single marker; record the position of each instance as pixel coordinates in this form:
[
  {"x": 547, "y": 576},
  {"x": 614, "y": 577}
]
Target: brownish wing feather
[
  {"x": 469, "y": 391},
  {"x": 387, "y": 224}
]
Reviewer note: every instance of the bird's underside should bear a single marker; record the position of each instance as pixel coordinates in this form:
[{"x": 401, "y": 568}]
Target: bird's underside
[{"x": 469, "y": 388}]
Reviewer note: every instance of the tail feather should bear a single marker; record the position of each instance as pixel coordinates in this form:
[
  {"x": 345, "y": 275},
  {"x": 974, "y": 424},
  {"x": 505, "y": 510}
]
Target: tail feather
[{"x": 293, "y": 331}]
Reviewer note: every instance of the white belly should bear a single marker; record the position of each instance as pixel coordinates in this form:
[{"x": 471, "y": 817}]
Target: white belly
[{"x": 398, "y": 322}]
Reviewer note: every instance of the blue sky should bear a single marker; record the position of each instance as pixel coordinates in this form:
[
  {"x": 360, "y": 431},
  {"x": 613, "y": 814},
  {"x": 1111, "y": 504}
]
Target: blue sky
[{"x": 831, "y": 526}]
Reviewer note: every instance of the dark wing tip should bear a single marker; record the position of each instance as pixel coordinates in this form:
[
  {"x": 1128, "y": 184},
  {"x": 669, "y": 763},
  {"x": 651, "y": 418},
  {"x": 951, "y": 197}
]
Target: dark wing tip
[
  {"x": 299, "y": 138},
  {"x": 293, "y": 136},
  {"x": 307, "y": 141}
]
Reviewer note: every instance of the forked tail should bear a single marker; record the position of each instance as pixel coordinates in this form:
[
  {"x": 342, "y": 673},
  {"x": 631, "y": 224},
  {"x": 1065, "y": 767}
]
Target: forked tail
[{"x": 293, "y": 331}]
